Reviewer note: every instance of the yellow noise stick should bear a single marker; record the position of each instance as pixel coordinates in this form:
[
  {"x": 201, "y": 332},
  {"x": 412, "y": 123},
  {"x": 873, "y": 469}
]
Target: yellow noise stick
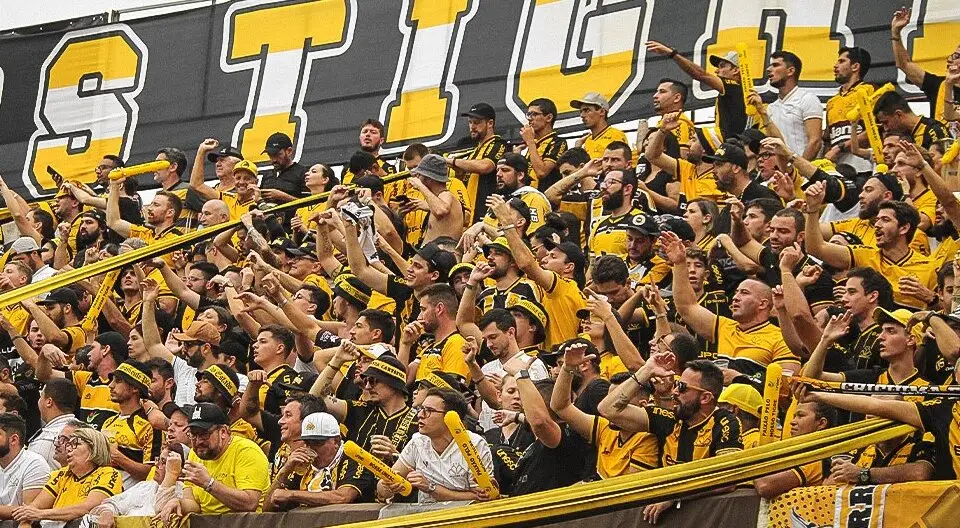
[
  {"x": 96, "y": 306},
  {"x": 771, "y": 404},
  {"x": 376, "y": 466},
  {"x": 951, "y": 153},
  {"x": 142, "y": 168},
  {"x": 746, "y": 80},
  {"x": 864, "y": 111},
  {"x": 469, "y": 452}
]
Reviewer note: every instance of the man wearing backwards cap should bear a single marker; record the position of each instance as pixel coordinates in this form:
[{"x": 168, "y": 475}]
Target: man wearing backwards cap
[
  {"x": 513, "y": 181},
  {"x": 594, "y": 112},
  {"x": 58, "y": 317},
  {"x": 445, "y": 213},
  {"x": 320, "y": 454},
  {"x": 133, "y": 440},
  {"x": 479, "y": 166},
  {"x": 223, "y": 473},
  {"x": 509, "y": 282},
  {"x": 381, "y": 423},
  {"x": 561, "y": 276}
]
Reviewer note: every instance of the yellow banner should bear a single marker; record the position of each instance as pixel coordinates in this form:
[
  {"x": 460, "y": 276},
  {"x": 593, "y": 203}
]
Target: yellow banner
[{"x": 909, "y": 505}]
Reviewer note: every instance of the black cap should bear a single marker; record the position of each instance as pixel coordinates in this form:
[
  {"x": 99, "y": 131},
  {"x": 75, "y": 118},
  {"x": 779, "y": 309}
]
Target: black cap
[
  {"x": 352, "y": 289},
  {"x": 116, "y": 342},
  {"x": 207, "y": 416},
  {"x": 643, "y": 223},
  {"x": 440, "y": 260},
  {"x": 731, "y": 153},
  {"x": 390, "y": 371},
  {"x": 572, "y": 251},
  {"x": 277, "y": 142},
  {"x": 135, "y": 374},
  {"x": 63, "y": 296},
  {"x": 225, "y": 151},
  {"x": 677, "y": 226},
  {"x": 305, "y": 250},
  {"x": 480, "y": 111},
  {"x": 95, "y": 214},
  {"x": 302, "y": 382},
  {"x": 283, "y": 244},
  {"x": 752, "y": 137},
  {"x": 516, "y": 161},
  {"x": 443, "y": 380},
  {"x": 890, "y": 181}
]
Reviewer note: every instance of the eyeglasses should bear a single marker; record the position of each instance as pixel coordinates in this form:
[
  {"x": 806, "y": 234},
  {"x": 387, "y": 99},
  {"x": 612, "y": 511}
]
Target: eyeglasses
[
  {"x": 608, "y": 183},
  {"x": 531, "y": 115},
  {"x": 765, "y": 155},
  {"x": 427, "y": 411},
  {"x": 683, "y": 386}
]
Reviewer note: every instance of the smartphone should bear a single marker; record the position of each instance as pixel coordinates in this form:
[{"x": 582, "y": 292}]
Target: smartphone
[{"x": 57, "y": 177}]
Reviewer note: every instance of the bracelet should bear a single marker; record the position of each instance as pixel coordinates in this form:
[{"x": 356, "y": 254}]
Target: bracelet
[
  {"x": 283, "y": 302},
  {"x": 673, "y": 53},
  {"x": 18, "y": 336},
  {"x": 453, "y": 162},
  {"x": 209, "y": 485},
  {"x": 472, "y": 286},
  {"x": 636, "y": 379},
  {"x": 897, "y": 38}
]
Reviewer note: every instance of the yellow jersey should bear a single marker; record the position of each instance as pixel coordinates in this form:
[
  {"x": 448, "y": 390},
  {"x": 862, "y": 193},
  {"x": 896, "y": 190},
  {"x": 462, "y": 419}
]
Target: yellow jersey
[
  {"x": 95, "y": 403},
  {"x": 535, "y": 200},
  {"x": 69, "y": 490},
  {"x": 610, "y": 364},
  {"x": 241, "y": 466},
  {"x": 912, "y": 264},
  {"x": 694, "y": 185},
  {"x": 550, "y": 148},
  {"x": 134, "y": 437},
  {"x": 445, "y": 355},
  {"x": 609, "y": 235},
  {"x": 750, "y": 350},
  {"x": 595, "y": 144},
  {"x": 479, "y": 186},
  {"x": 866, "y": 232},
  {"x": 839, "y": 127},
  {"x": 562, "y": 300},
  {"x": 618, "y": 456}
]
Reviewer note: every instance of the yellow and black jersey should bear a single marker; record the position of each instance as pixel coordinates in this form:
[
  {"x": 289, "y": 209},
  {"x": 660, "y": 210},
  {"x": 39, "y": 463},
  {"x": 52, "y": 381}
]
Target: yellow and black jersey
[
  {"x": 617, "y": 455},
  {"x": 188, "y": 217},
  {"x": 707, "y": 242},
  {"x": 751, "y": 437},
  {"x": 916, "y": 447},
  {"x": 941, "y": 418},
  {"x": 149, "y": 236},
  {"x": 95, "y": 403},
  {"x": 608, "y": 235},
  {"x": 522, "y": 288},
  {"x": 717, "y": 302},
  {"x": 272, "y": 400},
  {"x": 304, "y": 214},
  {"x": 18, "y": 316},
  {"x": 936, "y": 91},
  {"x": 72, "y": 236},
  {"x": 926, "y": 204},
  {"x": 299, "y": 479},
  {"x": 550, "y": 148},
  {"x": 406, "y": 308},
  {"x": 731, "y": 114},
  {"x": 70, "y": 490},
  {"x": 132, "y": 312},
  {"x": 610, "y": 364},
  {"x": 750, "y": 350},
  {"x": 867, "y": 233},
  {"x": 654, "y": 270},
  {"x": 685, "y": 132},
  {"x": 445, "y": 355},
  {"x": 928, "y": 131},
  {"x": 680, "y": 442},
  {"x": 595, "y": 144},
  {"x": 839, "y": 127},
  {"x": 479, "y": 186},
  {"x": 912, "y": 264},
  {"x": 390, "y": 190},
  {"x": 134, "y": 436},
  {"x": 364, "y": 420},
  {"x": 562, "y": 300},
  {"x": 863, "y": 352},
  {"x": 535, "y": 200},
  {"x": 812, "y": 474},
  {"x": 696, "y": 184},
  {"x": 587, "y": 206},
  {"x": 235, "y": 206}
]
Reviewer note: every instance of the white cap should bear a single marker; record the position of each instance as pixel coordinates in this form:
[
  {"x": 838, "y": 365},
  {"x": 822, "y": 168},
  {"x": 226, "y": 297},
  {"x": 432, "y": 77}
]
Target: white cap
[
  {"x": 375, "y": 350},
  {"x": 24, "y": 245},
  {"x": 319, "y": 426}
]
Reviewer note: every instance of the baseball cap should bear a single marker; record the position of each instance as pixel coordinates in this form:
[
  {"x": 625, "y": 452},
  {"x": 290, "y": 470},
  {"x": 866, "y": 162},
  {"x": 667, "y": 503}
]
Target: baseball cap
[
  {"x": 245, "y": 165},
  {"x": 498, "y": 243},
  {"x": 319, "y": 426},
  {"x": 277, "y": 142},
  {"x": 23, "y": 245},
  {"x": 440, "y": 260},
  {"x": 375, "y": 350},
  {"x": 116, "y": 342},
  {"x": 515, "y": 161},
  {"x": 743, "y": 396},
  {"x": 283, "y": 244},
  {"x": 201, "y": 331},
  {"x": 461, "y": 266},
  {"x": 62, "y": 296},
  {"x": 434, "y": 167},
  {"x": 302, "y": 382},
  {"x": 479, "y": 111},
  {"x": 352, "y": 289},
  {"x": 730, "y": 56},
  {"x": 729, "y": 152},
  {"x": 890, "y": 181},
  {"x": 97, "y": 215},
  {"x": 223, "y": 378},
  {"x": 531, "y": 308},
  {"x": 900, "y": 317},
  {"x": 136, "y": 375},
  {"x": 591, "y": 98},
  {"x": 677, "y": 226},
  {"x": 572, "y": 251},
  {"x": 390, "y": 371},
  {"x": 305, "y": 250},
  {"x": 642, "y": 223},
  {"x": 225, "y": 151},
  {"x": 207, "y": 416}
]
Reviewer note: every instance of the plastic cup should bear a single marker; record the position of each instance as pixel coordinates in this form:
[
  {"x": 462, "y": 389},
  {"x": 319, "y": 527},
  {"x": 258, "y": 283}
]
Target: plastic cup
[{"x": 845, "y": 457}]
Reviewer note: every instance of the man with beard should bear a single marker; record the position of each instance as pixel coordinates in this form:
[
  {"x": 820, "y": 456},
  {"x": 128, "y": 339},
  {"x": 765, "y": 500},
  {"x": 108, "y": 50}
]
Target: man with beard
[
  {"x": 809, "y": 418},
  {"x": 911, "y": 274},
  {"x": 850, "y": 70},
  {"x": 508, "y": 280},
  {"x": 92, "y": 233},
  {"x": 895, "y": 115},
  {"x": 163, "y": 214},
  {"x": 748, "y": 340},
  {"x": 22, "y": 472},
  {"x": 286, "y": 181},
  {"x": 445, "y": 213},
  {"x": 223, "y": 473},
  {"x": 694, "y": 173},
  {"x": 478, "y": 167},
  {"x": 195, "y": 293},
  {"x": 59, "y": 318},
  {"x": 543, "y": 146},
  {"x": 796, "y": 112},
  {"x": 381, "y": 422},
  {"x": 513, "y": 175},
  {"x": 291, "y": 469},
  {"x": 670, "y": 98},
  {"x": 730, "y": 172},
  {"x": 594, "y": 113},
  {"x": 134, "y": 443},
  {"x": 432, "y": 342},
  {"x": 498, "y": 330},
  {"x": 372, "y": 136},
  {"x": 162, "y": 383},
  {"x": 608, "y": 235}
]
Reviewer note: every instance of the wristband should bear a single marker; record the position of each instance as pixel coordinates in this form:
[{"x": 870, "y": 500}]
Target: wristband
[
  {"x": 636, "y": 379},
  {"x": 18, "y": 336},
  {"x": 453, "y": 162},
  {"x": 209, "y": 485},
  {"x": 472, "y": 286},
  {"x": 510, "y": 226},
  {"x": 673, "y": 53}
]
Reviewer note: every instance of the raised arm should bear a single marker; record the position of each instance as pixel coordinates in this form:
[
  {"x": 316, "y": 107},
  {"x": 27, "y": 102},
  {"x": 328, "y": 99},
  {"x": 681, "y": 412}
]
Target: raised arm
[
  {"x": 323, "y": 386},
  {"x": 616, "y": 406},
  {"x": 689, "y": 67},
  {"x": 700, "y": 319},
  {"x": 833, "y": 254},
  {"x": 48, "y": 328},
  {"x": 911, "y": 69},
  {"x": 151, "y": 333},
  {"x": 796, "y": 305},
  {"x": 119, "y": 225},
  {"x": 557, "y": 191},
  {"x": 467, "y": 311},
  {"x": 197, "y": 183},
  {"x": 535, "y": 410},
  {"x": 561, "y": 401},
  {"x": 18, "y": 211},
  {"x": 521, "y": 253},
  {"x": 834, "y": 330},
  {"x": 357, "y": 261},
  {"x": 655, "y": 151},
  {"x": 901, "y": 411},
  {"x": 622, "y": 344}
]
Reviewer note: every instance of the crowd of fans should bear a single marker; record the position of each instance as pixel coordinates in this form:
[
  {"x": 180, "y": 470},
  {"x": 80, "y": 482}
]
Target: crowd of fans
[{"x": 588, "y": 311}]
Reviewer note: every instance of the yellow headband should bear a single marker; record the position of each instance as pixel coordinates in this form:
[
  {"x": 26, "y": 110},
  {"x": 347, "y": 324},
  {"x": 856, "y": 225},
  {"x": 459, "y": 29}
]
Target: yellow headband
[
  {"x": 436, "y": 381},
  {"x": 389, "y": 370},
  {"x": 350, "y": 290}
]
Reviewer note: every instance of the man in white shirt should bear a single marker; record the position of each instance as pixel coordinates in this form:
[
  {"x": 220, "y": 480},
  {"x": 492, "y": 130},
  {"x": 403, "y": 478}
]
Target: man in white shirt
[
  {"x": 57, "y": 404},
  {"x": 26, "y": 250},
  {"x": 796, "y": 112},
  {"x": 22, "y": 473}
]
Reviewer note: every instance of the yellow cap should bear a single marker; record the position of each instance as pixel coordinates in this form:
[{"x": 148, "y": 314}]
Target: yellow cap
[
  {"x": 246, "y": 165},
  {"x": 901, "y": 317},
  {"x": 743, "y": 396}
]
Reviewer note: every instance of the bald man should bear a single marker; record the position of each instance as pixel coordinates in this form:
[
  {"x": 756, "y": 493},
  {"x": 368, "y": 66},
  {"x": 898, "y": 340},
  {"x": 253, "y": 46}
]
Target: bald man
[
  {"x": 214, "y": 212},
  {"x": 747, "y": 340}
]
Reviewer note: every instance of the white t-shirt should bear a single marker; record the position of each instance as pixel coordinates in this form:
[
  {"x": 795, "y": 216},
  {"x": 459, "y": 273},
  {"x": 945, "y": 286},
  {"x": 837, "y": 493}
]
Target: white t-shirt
[
  {"x": 448, "y": 469},
  {"x": 42, "y": 443},
  {"x": 186, "y": 377},
  {"x": 790, "y": 113},
  {"x": 28, "y": 471},
  {"x": 538, "y": 371}
]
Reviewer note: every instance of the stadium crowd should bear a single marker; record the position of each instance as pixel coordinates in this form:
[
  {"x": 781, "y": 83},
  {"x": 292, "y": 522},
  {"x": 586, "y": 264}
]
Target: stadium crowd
[{"x": 588, "y": 311}]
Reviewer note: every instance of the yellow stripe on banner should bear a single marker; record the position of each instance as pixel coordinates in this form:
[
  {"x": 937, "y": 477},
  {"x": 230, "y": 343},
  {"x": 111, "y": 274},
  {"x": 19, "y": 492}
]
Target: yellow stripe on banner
[
  {"x": 320, "y": 21},
  {"x": 151, "y": 251},
  {"x": 655, "y": 485},
  {"x": 437, "y": 13}
]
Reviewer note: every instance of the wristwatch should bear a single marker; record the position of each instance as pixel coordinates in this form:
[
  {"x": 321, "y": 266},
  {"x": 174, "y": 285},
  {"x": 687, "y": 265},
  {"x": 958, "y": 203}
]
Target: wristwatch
[
  {"x": 864, "y": 477},
  {"x": 523, "y": 374},
  {"x": 432, "y": 487}
]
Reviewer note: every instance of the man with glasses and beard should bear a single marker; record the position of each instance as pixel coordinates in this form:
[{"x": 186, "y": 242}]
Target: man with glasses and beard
[
  {"x": 609, "y": 233},
  {"x": 381, "y": 422},
  {"x": 223, "y": 473}
]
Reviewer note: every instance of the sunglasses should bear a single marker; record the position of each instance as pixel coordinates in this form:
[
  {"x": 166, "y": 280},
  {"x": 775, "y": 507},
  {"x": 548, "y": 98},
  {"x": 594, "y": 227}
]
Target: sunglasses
[
  {"x": 367, "y": 380},
  {"x": 683, "y": 386}
]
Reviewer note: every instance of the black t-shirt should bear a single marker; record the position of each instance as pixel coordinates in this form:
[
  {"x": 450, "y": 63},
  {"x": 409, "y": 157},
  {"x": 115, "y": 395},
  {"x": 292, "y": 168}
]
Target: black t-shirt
[
  {"x": 819, "y": 292},
  {"x": 505, "y": 460},
  {"x": 933, "y": 367},
  {"x": 590, "y": 397},
  {"x": 543, "y": 468},
  {"x": 752, "y": 191},
  {"x": 363, "y": 421},
  {"x": 289, "y": 180},
  {"x": 930, "y": 86},
  {"x": 731, "y": 113}
]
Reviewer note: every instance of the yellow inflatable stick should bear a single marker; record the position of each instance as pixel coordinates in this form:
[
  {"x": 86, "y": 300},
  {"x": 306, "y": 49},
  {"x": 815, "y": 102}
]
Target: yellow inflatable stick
[
  {"x": 771, "y": 404},
  {"x": 864, "y": 111},
  {"x": 469, "y": 452},
  {"x": 746, "y": 80},
  {"x": 142, "y": 168},
  {"x": 951, "y": 153},
  {"x": 376, "y": 466}
]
